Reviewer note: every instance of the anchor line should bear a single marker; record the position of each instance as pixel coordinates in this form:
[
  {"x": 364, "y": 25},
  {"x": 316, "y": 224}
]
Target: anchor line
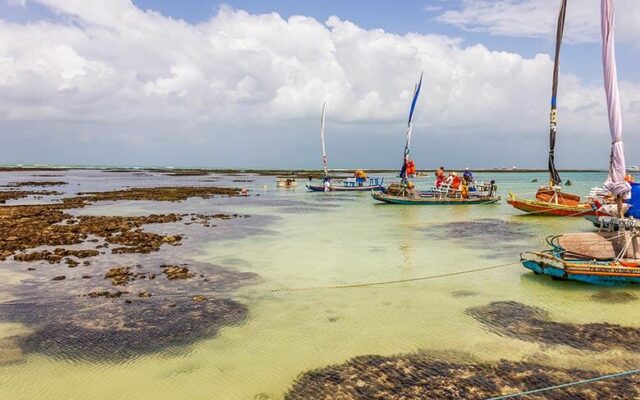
[
  {"x": 569, "y": 384},
  {"x": 392, "y": 282}
]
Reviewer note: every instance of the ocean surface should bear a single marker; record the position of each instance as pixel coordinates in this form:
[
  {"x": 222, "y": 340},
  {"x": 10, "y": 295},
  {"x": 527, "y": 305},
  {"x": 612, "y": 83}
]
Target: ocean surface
[{"x": 295, "y": 239}]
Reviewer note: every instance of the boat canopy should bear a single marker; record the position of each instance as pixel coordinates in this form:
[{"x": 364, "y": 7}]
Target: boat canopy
[
  {"x": 554, "y": 176},
  {"x": 615, "y": 182}
]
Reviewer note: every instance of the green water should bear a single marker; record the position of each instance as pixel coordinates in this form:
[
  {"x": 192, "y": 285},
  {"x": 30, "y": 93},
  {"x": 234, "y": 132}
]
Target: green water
[{"x": 334, "y": 239}]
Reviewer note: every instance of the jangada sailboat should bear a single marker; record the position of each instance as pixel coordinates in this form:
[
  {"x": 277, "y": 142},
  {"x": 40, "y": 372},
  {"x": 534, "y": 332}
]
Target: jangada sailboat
[
  {"x": 405, "y": 193},
  {"x": 359, "y": 183},
  {"x": 551, "y": 200},
  {"x": 604, "y": 258}
]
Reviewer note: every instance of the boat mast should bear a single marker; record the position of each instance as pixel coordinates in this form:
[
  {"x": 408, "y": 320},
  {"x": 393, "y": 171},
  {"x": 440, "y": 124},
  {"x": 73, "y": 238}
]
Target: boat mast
[
  {"x": 324, "y": 153},
  {"x": 554, "y": 176},
  {"x": 407, "y": 146},
  {"x": 615, "y": 182}
]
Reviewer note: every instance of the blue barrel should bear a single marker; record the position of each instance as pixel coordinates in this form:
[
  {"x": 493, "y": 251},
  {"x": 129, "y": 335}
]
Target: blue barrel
[{"x": 634, "y": 201}]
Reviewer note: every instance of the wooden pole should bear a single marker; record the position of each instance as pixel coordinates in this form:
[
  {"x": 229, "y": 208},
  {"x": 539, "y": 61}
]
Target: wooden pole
[{"x": 619, "y": 203}]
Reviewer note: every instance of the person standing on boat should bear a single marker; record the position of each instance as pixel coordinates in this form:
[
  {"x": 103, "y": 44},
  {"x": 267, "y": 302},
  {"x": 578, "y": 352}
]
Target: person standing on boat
[
  {"x": 455, "y": 181},
  {"x": 439, "y": 177},
  {"x": 326, "y": 182},
  {"x": 467, "y": 176}
]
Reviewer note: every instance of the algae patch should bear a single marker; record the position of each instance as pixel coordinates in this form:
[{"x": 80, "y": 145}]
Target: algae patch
[
  {"x": 533, "y": 324},
  {"x": 419, "y": 376}
]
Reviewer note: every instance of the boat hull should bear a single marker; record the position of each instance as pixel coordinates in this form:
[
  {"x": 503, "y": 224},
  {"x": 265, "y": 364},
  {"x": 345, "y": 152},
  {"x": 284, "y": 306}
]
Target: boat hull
[
  {"x": 320, "y": 188},
  {"x": 595, "y": 273},
  {"x": 391, "y": 199},
  {"x": 559, "y": 210}
]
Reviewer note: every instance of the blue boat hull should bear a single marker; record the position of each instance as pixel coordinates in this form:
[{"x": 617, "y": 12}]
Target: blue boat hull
[
  {"x": 320, "y": 188},
  {"x": 598, "y": 277}
]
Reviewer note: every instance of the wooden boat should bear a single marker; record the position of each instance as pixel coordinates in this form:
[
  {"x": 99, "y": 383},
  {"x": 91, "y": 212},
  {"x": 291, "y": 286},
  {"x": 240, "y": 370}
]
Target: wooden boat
[
  {"x": 404, "y": 192},
  {"x": 566, "y": 207},
  {"x": 609, "y": 223},
  {"x": 358, "y": 183},
  {"x": 606, "y": 257},
  {"x": 589, "y": 257},
  {"x": 551, "y": 200},
  {"x": 433, "y": 200},
  {"x": 350, "y": 185}
]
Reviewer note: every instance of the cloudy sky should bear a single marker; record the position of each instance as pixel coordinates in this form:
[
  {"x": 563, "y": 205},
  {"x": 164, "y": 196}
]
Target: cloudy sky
[{"x": 241, "y": 83}]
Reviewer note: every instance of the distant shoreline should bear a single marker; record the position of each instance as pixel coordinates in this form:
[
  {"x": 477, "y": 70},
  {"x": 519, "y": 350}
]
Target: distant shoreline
[{"x": 266, "y": 171}]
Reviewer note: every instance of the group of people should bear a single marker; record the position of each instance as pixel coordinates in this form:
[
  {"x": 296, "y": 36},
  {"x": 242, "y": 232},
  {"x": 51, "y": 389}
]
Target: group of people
[{"x": 452, "y": 179}]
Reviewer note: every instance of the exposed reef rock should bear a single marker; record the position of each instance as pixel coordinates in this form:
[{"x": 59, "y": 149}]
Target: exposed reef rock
[
  {"x": 29, "y": 226},
  {"x": 21, "y": 194},
  {"x": 533, "y": 324},
  {"x": 418, "y": 376},
  {"x": 55, "y": 256},
  {"x": 36, "y": 183}
]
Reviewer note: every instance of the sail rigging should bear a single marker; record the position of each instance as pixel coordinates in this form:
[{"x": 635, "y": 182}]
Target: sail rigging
[
  {"x": 554, "y": 176},
  {"x": 615, "y": 182},
  {"x": 407, "y": 146},
  {"x": 324, "y": 153}
]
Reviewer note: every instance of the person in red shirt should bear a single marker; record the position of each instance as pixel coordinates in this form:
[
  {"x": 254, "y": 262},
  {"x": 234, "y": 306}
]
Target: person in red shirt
[{"x": 455, "y": 182}]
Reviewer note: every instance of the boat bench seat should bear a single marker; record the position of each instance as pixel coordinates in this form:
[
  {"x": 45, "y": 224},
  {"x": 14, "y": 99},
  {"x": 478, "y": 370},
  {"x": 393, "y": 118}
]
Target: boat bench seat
[{"x": 599, "y": 245}]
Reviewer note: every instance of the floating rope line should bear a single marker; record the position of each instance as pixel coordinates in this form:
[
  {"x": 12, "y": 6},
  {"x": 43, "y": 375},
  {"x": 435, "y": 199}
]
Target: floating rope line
[
  {"x": 565, "y": 385},
  {"x": 392, "y": 282}
]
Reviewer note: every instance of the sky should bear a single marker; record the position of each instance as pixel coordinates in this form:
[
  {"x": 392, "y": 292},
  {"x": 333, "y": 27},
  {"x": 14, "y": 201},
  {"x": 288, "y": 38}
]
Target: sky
[{"x": 241, "y": 83}]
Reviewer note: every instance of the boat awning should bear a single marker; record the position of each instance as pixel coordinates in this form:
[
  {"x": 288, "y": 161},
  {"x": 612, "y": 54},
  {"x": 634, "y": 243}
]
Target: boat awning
[{"x": 599, "y": 245}]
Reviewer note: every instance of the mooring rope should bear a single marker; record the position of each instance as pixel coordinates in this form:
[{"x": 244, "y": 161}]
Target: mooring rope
[
  {"x": 569, "y": 384},
  {"x": 391, "y": 282}
]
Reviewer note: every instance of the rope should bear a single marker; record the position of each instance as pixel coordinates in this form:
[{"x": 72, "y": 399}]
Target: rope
[
  {"x": 565, "y": 385},
  {"x": 391, "y": 282}
]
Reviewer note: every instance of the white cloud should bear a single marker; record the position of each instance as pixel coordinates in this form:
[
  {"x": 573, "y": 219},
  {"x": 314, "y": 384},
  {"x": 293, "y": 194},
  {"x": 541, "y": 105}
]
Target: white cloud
[
  {"x": 117, "y": 64},
  {"x": 17, "y": 3},
  {"x": 538, "y": 18}
]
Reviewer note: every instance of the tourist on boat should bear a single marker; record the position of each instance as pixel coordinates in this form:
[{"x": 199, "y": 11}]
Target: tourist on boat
[
  {"x": 467, "y": 176},
  {"x": 326, "y": 182},
  {"x": 464, "y": 189},
  {"x": 360, "y": 176},
  {"x": 449, "y": 179},
  {"x": 455, "y": 181},
  {"x": 440, "y": 178},
  {"x": 410, "y": 168}
]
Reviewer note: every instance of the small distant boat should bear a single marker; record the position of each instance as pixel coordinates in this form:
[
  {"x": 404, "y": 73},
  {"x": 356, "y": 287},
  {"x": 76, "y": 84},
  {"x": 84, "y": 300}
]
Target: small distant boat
[
  {"x": 551, "y": 200},
  {"x": 359, "y": 183},
  {"x": 607, "y": 257},
  {"x": 287, "y": 182}
]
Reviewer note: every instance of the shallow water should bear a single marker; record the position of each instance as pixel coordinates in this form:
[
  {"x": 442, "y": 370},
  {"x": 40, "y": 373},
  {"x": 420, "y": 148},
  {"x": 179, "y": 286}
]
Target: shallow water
[{"x": 296, "y": 239}]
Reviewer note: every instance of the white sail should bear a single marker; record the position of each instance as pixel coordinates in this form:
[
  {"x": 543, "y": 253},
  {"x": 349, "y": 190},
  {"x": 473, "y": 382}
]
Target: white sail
[
  {"x": 324, "y": 152},
  {"x": 615, "y": 182}
]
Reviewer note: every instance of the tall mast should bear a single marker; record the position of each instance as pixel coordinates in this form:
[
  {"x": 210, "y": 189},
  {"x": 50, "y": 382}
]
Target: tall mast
[
  {"x": 615, "y": 182},
  {"x": 554, "y": 176},
  {"x": 407, "y": 146},
  {"x": 324, "y": 153}
]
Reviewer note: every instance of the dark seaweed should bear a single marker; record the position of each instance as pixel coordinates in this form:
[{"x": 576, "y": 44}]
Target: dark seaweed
[
  {"x": 418, "y": 376},
  {"x": 533, "y": 324}
]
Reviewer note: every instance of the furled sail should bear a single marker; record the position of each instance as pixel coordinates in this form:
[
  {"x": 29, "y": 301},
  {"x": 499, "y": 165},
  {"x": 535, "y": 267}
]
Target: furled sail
[
  {"x": 554, "y": 176},
  {"x": 615, "y": 182},
  {"x": 324, "y": 153},
  {"x": 407, "y": 146}
]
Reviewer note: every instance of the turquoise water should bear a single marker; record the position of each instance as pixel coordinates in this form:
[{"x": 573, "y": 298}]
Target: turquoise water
[{"x": 302, "y": 240}]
